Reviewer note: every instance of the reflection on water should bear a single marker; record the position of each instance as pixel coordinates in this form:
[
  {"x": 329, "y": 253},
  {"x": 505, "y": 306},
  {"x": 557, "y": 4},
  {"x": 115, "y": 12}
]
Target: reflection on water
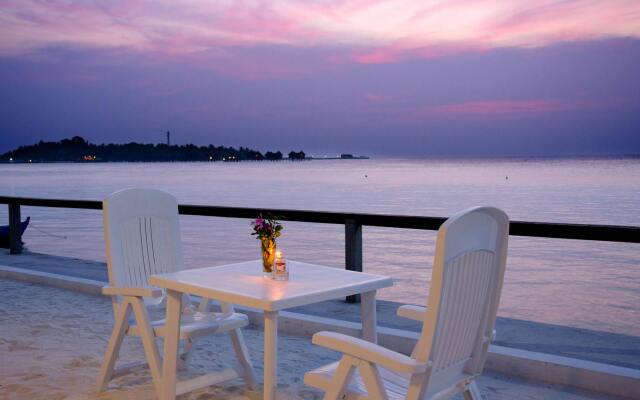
[{"x": 584, "y": 284}]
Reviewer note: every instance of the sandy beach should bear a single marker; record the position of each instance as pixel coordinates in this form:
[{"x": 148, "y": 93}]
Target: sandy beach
[{"x": 52, "y": 343}]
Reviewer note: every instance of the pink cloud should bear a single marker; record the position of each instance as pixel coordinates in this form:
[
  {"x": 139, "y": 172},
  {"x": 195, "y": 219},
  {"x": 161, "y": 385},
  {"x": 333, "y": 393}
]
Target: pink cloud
[
  {"x": 517, "y": 107},
  {"x": 379, "y": 56},
  {"x": 373, "y": 31},
  {"x": 538, "y": 24},
  {"x": 406, "y": 50},
  {"x": 374, "y": 96}
]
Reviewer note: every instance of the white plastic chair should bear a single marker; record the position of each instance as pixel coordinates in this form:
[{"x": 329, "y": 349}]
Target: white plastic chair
[
  {"x": 142, "y": 238},
  {"x": 458, "y": 323}
]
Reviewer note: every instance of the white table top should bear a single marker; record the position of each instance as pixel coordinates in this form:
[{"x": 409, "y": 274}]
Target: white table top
[{"x": 245, "y": 284}]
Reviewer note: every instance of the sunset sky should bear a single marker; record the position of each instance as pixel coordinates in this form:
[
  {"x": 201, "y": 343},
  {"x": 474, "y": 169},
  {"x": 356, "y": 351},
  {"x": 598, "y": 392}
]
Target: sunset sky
[{"x": 384, "y": 78}]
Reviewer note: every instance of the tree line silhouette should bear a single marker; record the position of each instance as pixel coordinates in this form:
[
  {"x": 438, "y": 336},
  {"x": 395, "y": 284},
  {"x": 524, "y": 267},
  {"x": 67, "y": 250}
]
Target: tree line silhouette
[{"x": 78, "y": 149}]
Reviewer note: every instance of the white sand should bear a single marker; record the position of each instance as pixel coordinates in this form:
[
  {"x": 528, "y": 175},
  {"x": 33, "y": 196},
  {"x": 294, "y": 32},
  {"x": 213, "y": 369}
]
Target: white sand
[{"x": 52, "y": 342}]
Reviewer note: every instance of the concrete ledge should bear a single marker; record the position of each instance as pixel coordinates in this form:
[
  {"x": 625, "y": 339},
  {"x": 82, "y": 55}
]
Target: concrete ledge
[
  {"x": 87, "y": 286},
  {"x": 586, "y": 375}
]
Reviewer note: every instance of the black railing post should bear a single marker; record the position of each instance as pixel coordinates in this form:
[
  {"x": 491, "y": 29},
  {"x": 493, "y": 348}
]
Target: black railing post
[
  {"x": 353, "y": 250},
  {"x": 15, "y": 233}
]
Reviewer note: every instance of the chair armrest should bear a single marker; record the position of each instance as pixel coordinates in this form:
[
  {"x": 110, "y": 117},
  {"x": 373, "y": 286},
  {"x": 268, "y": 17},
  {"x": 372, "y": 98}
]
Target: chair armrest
[
  {"x": 131, "y": 291},
  {"x": 416, "y": 313},
  {"x": 368, "y": 351},
  {"x": 203, "y": 307}
]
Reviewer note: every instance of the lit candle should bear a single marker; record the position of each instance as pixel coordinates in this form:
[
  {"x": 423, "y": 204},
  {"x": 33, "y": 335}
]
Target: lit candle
[{"x": 280, "y": 272}]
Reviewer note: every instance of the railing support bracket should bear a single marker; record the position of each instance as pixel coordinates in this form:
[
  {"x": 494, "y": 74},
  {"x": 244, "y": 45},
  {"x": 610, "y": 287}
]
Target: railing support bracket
[
  {"x": 15, "y": 233},
  {"x": 353, "y": 251}
]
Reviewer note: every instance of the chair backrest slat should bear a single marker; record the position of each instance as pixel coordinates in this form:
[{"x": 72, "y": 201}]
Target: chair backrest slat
[
  {"x": 142, "y": 236},
  {"x": 467, "y": 284},
  {"x": 465, "y": 290}
]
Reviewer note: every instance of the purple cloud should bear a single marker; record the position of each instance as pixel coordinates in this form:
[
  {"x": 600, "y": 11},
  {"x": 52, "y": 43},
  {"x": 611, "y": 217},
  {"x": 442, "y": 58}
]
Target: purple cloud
[{"x": 378, "y": 77}]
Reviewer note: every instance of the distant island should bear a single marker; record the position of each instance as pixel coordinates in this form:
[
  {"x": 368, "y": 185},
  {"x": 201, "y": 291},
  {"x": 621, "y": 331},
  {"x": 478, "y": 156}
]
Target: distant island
[{"x": 77, "y": 149}]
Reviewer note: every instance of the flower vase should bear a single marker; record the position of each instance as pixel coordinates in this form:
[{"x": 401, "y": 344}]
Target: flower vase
[{"x": 268, "y": 247}]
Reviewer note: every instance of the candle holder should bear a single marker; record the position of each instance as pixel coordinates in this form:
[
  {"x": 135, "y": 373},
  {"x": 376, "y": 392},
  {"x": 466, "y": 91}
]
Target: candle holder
[{"x": 280, "y": 269}]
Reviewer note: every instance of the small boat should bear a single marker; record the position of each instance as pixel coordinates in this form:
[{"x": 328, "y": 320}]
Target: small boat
[{"x": 4, "y": 232}]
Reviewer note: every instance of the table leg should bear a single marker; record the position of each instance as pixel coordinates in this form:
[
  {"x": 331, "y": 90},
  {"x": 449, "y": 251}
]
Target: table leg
[
  {"x": 174, "y": 305},
  {"x": 368, "y": 316},
  {"x": 270, "y": 355}
]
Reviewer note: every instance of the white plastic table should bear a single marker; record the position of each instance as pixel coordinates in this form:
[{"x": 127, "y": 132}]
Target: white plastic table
[{"x": 244, "y": 284}]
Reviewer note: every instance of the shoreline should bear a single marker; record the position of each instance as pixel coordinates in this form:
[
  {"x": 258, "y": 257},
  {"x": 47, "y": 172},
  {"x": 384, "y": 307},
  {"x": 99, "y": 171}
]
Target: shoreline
[
  {"x": 634, "y": 157},
  {"x": 181, "y": 161}
]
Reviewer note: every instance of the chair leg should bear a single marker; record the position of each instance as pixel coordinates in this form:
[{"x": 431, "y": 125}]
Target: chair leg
[
  {"x": 242, "y": 354},
  {"x": 187, "y": 354},
  {"x": 471, "y": 392},
  {"x": 341, "y": 379},
  {"x": 417, "y": 385},
  {"x": 148, "y": 341},
  {"x": 204, "y": 305},
  {"x": 240, "y": 348},
  {"x": 372, "y": 381},
  {"x": 122, "y": 311}
]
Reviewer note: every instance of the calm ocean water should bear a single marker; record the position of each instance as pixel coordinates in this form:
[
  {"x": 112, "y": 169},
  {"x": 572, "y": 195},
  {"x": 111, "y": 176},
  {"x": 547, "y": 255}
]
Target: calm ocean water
[{"x": 582, "y": 284}]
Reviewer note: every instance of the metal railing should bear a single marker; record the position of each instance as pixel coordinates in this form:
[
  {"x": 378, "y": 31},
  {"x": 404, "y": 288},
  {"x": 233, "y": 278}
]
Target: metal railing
[{"x": 353, "y": 223}]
